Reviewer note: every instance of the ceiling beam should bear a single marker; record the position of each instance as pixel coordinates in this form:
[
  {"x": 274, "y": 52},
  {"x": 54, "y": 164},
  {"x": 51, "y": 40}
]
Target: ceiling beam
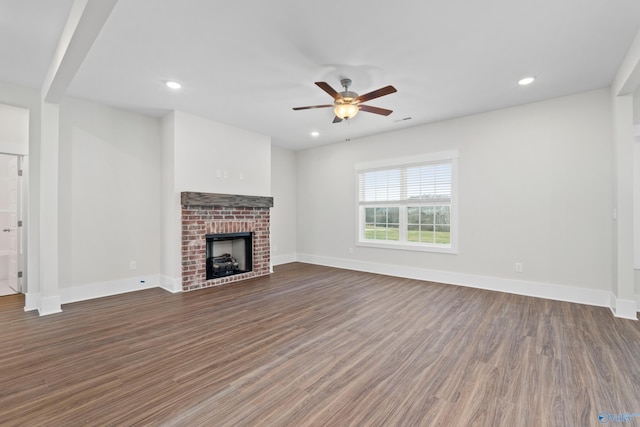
[
  {"x": 86, "y": 19},
  {"x": 627, "y": 79}
]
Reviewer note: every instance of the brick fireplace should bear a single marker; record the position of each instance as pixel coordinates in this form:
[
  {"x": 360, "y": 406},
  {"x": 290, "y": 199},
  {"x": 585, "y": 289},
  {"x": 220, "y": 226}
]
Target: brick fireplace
[{"x": 210, "y": 213}]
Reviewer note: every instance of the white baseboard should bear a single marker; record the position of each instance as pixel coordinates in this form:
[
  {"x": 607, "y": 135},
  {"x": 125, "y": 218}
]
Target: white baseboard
[
  {"x": 520, "y": 287},
  {"x": 171, "y": 284},
  {"x": 624, "y": 308},
  {"x": 620, "y": 307},
  {"x": 49, "y": 305},
  {"x": 283, "y": 259},
  {"x": 52, "y": 304},
  {"x": 105, "y": 289},
  {"x": 31, "y": 301}
]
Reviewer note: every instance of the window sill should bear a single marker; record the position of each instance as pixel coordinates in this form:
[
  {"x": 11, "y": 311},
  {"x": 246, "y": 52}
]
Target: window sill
[{"x": 408, "y": 247}]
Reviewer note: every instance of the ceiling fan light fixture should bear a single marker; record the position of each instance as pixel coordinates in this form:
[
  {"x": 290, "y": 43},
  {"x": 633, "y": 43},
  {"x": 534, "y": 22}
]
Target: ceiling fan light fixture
[{"x": 346, "y": 111}]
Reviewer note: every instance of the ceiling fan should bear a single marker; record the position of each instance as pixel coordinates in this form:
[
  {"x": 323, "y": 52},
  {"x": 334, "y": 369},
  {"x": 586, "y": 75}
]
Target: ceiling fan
[{"x": 347, "y": 104}]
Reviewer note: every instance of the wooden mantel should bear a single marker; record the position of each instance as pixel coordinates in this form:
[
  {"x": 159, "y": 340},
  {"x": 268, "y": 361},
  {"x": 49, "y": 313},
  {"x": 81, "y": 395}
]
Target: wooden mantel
[{"x": 188, "y": 198}]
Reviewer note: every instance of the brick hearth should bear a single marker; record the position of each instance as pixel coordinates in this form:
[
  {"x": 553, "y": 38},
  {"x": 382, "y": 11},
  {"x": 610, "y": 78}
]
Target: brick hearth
[{"x": 204, "y": 213}]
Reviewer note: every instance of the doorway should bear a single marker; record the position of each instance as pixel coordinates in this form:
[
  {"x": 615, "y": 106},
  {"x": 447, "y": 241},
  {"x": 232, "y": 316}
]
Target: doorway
[
  {"x": 10, "y": 224},
  {"x": 14, "y": 188}
]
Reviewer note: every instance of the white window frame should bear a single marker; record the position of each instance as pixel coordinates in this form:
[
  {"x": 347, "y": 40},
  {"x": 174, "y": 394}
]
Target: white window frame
[{"x": 444, "y": 156}]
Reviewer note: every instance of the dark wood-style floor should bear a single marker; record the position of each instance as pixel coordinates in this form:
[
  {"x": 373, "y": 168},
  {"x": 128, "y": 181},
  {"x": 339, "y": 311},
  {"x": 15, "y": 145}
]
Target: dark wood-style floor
[{"x": 312, "y": 345}]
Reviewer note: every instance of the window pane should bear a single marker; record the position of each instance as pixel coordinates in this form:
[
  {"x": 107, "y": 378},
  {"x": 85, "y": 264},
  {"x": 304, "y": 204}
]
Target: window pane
[
  {"x": 393, "y": 232},
  {"x": 394, "y": 215},
  {"x": 381, "y": 233},
  {"x": 380, "y": 185},
  {"x": 429, "y": 182},
  {"x": 426, "y": 215},
  {"x": 369, "y": 231},
  {"x": 443, "y": 214},
  {"x": 413, "y": 215},
  {"x": 381, "y": 215},
  {"x": 443, "y": 234},
  {"x": 413, "y": 233},
  {"x": 368, "y": 214},
  {"x": 426, "y": 234}
]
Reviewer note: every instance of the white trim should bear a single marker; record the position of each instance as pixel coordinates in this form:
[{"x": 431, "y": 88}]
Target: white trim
[
  {"x": 407, "y": 160},
  {"x": 594, "y": 297},
  {"x": 105, "y": 289},
  {"x": 52, "y": 304},
  {"x": 637, "y": 296},
  {"x": 14, "y": 148},
  {"x": 170, "y": 284},
  {"x": 31, "y": 301},
  {"x": 389, "y": 244},
  {"x": 624, "y": 308},
  {"x": 283, "y": 259},
  {"x": 49, "y": 305}
]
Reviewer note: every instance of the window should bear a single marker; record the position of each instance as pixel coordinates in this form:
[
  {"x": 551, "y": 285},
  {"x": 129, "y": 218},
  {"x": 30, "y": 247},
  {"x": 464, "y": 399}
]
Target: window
[{"x": 408, "y": 205}]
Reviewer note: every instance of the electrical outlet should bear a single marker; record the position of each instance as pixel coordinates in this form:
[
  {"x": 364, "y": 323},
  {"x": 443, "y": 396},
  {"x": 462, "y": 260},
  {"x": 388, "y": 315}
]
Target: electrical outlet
[
  {"x": 350, "y": 251},
  {"x": 519, "y": 267},
  {"x": 132, "y": 265}
]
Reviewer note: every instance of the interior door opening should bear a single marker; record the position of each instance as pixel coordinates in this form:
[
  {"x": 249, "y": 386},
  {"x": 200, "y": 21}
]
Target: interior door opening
[{"x": 10, "y": 224}]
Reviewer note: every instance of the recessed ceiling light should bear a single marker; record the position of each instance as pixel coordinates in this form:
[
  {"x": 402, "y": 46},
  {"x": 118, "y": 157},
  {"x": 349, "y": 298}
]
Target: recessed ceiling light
[
  {"x": 315, "y": 133},
  {"x": 173, "y": 85},
  {"x": 525, "y": 81}
]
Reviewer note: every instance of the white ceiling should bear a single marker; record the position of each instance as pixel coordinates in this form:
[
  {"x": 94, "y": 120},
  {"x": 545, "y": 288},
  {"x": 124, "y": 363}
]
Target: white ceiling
[{"x": 247, "y": 63}]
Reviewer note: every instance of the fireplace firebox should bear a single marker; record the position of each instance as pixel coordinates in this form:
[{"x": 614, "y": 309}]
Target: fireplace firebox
[{"x": 229, "y": 254}]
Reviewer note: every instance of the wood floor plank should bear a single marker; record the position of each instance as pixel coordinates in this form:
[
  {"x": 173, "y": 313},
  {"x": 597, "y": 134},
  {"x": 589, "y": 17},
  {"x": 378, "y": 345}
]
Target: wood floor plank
[{"x": 313, "y": 346}]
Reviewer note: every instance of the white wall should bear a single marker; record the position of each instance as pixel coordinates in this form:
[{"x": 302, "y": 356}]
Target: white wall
[
  {"x": 171, "y": 227},
  {"x": 636, "y": 106},
  {"x": 109, "y": 194},
  {"x": 14, "y": 125},
  {"x": 204, "y": 147},
  {"x": 4, "y": 213},
  {"x": 283, "y": 213},
  {"x": 535, "y": 186},
  {"x": 636, "y": 194}
]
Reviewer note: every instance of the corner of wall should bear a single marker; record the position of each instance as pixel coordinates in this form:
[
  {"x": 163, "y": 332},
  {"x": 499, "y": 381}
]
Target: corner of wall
[
  {"x": 283, "y": 259},
  {"x": 624, "y": 308},
  {"x": 171, "y": 284},
  {"x": 50, "y": 305},
  {"x": 31, "y": 301}
]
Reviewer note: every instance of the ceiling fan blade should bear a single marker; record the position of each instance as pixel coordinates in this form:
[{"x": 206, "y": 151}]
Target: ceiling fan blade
[
  {"x": 375, "y": 110},
  {"x": 313, "y": 106},
  {"x": 376, "y": 94},
  {"x": 337, "y": 119},
  {"x": 331, "y": 91}
]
